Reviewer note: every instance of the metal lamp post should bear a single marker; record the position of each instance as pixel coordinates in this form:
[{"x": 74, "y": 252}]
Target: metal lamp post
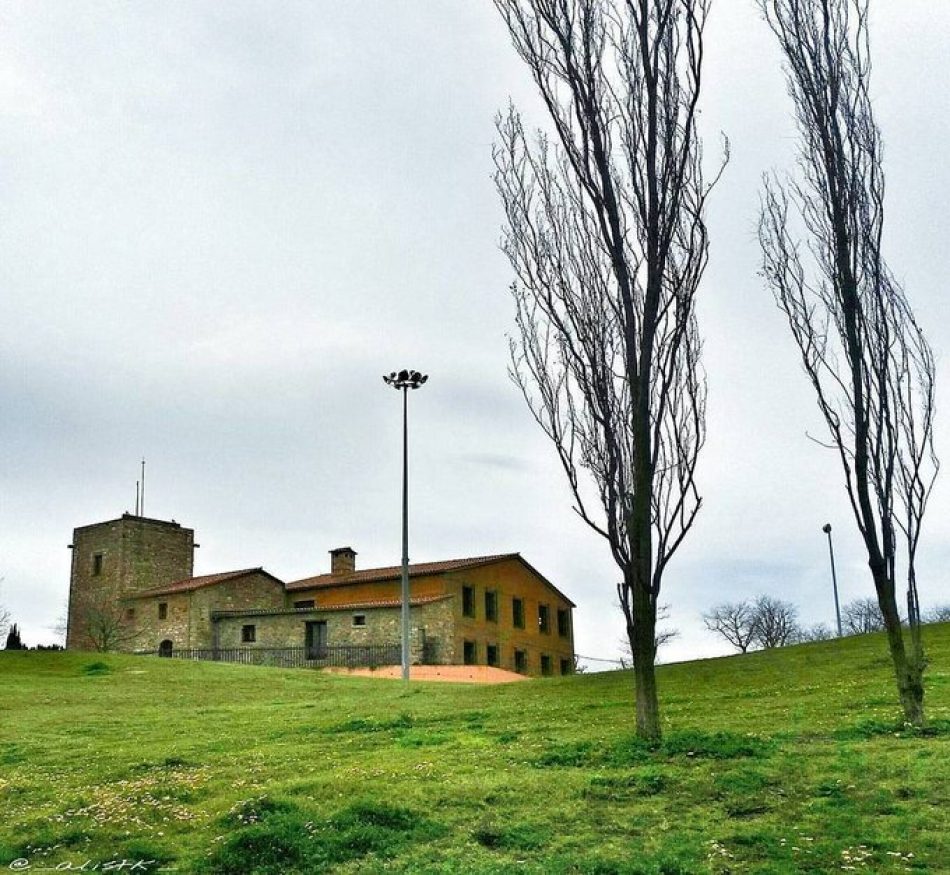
[
  {"x": 405, "y": 380},
  {"x": 826, "y": 528}
]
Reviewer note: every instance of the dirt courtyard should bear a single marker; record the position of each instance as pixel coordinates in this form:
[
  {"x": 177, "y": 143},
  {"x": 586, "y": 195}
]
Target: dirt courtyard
[{"x": 456, "y": 674}]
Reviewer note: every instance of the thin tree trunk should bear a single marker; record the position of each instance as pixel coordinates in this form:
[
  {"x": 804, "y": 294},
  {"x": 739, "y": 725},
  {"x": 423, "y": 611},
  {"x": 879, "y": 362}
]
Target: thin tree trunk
[
  {"x": 643, "y": 648},
  {"x": 908, "y": 669}
]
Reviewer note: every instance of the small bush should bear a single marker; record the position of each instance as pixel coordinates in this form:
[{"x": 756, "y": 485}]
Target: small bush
[{"x": 95, "y": 668}]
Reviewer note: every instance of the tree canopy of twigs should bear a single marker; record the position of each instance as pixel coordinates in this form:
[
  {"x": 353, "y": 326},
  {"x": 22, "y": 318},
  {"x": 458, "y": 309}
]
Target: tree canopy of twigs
[
  {"x": 862, "y": 349},
  {"x": 606, "y": 235},
  {"x": 862, "y": 616},
  {"x": 734, "y": 622}
]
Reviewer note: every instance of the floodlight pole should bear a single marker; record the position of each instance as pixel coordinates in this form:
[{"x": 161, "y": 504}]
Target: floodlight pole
[
  {"x": 826, "y": 528},
  {"x": 405, "y": 534},
  {"x": 405, "y": 380}
]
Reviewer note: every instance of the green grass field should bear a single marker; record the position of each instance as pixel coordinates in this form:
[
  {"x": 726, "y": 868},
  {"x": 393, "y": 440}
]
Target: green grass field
[{"x": 786, "y": 761}]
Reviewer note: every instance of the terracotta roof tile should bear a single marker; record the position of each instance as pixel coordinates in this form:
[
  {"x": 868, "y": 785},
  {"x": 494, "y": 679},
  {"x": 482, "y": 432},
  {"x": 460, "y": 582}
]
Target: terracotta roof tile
[
  {"x": 189, "y": 584},
  {"x": 394, "y": 572}
]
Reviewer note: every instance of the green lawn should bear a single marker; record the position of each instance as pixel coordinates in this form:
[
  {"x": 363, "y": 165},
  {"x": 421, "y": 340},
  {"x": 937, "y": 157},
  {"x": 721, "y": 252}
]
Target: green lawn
[{"x": 787, "y": 761}]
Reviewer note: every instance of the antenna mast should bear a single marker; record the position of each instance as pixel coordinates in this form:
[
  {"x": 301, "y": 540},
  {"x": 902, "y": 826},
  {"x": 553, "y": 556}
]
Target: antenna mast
[
  {"x": 142, "y": 491},
  {"x": 137, "y": 498}
]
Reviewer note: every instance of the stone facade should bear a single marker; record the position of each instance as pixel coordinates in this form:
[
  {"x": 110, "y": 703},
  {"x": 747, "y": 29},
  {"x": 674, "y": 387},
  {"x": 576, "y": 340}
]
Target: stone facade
[
  {"x": 493, "y": 610},
  {"x": 114, "y": 560},
  {"x": 187, "y": 620}
]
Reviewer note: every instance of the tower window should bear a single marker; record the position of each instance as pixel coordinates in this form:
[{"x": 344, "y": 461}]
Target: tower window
[
  {"x": 96, "y": 564},
  {"x": 491, "y": 654},
  {"x": 163, "y": 610},
  {"x": 545, "y": 664},
  {"x": 469, "y": 656},
  {"x": 521, "y": 661}
]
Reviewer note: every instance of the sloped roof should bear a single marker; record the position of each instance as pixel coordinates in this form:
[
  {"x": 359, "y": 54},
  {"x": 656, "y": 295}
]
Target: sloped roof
[
  {"x": 394, "y": 572},
  {"x": 420, "y": 569},
  {"x": 189, "y": 584}
]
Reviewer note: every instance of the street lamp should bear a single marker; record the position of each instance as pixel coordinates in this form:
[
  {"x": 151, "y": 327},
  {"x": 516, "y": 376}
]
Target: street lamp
[
  {"x": 405, "y": 380},
  {"x": 826, "y": 528}
]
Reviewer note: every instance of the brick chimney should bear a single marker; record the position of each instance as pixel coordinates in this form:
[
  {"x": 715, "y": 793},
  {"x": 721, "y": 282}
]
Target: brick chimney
[{"x": 342, "y": 560}]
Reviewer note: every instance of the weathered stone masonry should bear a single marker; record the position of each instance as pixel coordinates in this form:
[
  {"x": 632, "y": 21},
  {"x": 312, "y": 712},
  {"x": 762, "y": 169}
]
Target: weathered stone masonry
[{"x": 496, "y": 610}]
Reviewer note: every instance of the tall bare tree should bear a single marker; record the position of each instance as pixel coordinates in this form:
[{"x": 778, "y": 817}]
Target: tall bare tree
[
  {"x": 862, "y": 616},
  {"x": 775, "y": 623},
  {"x": 865, "y": 355},
  {"x": 733, "y": 621},
  {"x": 606, "y": 235}
]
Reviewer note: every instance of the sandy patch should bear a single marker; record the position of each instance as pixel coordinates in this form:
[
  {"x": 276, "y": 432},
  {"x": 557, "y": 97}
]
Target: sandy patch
[{"x": 456, "y": 674}]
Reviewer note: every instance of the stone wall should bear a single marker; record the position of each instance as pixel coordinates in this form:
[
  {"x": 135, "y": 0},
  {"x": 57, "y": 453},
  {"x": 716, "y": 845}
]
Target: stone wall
[
  {"x": 113, "y": 560},
  {"x": 187, "y": 623},
  {"x": 429, "y": 623}
]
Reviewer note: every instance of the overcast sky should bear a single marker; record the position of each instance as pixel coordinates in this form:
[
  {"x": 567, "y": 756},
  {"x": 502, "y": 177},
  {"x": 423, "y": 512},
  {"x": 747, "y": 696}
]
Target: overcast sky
[{"x": 221, "y": 223}]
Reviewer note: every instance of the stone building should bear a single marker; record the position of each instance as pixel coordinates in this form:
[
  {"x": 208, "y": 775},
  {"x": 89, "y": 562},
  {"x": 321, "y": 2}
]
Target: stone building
[{"x": 132, "y": 588}]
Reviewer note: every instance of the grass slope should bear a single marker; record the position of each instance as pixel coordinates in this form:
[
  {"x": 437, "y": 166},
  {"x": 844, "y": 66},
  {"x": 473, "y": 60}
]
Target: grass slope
[{"x": 786, "y": 761}]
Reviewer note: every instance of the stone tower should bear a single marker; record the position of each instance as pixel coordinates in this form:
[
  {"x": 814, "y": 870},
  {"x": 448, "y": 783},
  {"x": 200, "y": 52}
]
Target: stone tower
[{"x": 116, "y": 559}]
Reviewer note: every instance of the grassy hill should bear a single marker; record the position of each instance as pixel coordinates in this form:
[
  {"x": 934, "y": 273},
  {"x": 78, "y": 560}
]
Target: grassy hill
[{"x": 786, "y": 761}]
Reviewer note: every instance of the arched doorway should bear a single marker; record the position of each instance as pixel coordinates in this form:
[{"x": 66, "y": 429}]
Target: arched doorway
[{"x": 165, "y": 648}]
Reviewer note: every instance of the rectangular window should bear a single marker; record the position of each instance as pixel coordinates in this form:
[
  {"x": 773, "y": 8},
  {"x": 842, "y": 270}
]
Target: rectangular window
[
  {"x": 544, "y": 619},
  {"x": 96, "y": 564},
  {"x": 359, "y": 619},
  {"x": 517, "y": 613},
  {"x": 521, "y": 661},
  {"x": 491, "y": 606},
  {"x": 468, "y": 601},
  {"x": 545, "y": 664},
  {"x": 248, "y": 634},
  {"x": 563, "y": 623},
  {"x": 491, "y": 654},
  {"x": 566, "y": 667},
  {"x": 163, "y": 610},
  {"x": 307, "y": 603},
  {"x": 469, "y": 656}
]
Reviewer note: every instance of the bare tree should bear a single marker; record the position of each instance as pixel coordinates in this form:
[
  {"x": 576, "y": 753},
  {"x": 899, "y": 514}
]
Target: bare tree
[
  {"x": 862, "y": 616},
  {"x": 606, "y": 235},
  {"x": 775, "y": 622},
  {"x": 103, "y": 623},
  {"x": 4, "y": 618},
  {"x": 938, "y": 614},
  {"x": 865, "y": 355},
  {"x": 818, "y": 632},
  {"x": 734, "y": 621}
]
